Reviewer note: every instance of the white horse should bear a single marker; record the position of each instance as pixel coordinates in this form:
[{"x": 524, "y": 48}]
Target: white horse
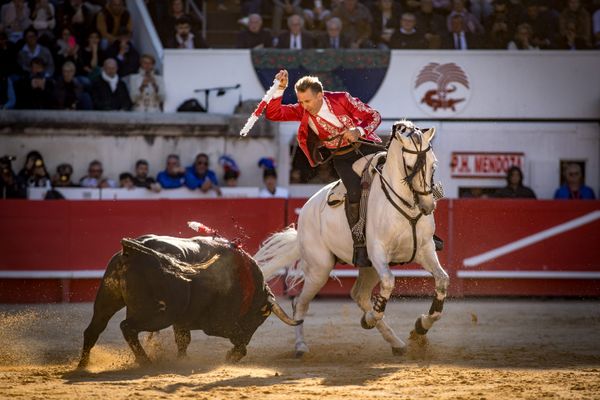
[{"x": 399, "y": 229}]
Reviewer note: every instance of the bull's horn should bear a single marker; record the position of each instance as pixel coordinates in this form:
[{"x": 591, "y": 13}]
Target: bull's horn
[{"x": 281, "y": 314}]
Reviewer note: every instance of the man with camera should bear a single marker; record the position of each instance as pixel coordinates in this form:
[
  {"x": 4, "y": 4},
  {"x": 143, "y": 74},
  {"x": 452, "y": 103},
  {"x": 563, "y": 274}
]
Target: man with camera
[{"x": 10, "y": 186}]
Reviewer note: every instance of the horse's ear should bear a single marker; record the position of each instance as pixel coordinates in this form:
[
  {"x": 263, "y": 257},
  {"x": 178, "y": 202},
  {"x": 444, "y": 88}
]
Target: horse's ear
[{"x": 429, "y": 134}]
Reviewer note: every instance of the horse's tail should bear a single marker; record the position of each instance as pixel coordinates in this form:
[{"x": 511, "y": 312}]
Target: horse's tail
[{"x": 280, "y": 250}]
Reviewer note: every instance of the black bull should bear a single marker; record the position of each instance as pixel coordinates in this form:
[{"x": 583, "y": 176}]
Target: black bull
[{"x": 198, "y": 283}]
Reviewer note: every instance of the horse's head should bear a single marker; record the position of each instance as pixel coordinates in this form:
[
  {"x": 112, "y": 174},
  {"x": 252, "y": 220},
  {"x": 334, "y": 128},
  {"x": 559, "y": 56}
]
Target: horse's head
[{"x": 418, "y": 162}]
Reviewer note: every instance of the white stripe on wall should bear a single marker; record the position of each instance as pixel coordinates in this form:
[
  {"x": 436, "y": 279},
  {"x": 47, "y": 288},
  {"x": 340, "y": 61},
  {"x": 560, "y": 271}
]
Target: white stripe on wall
[
  {"x": 79, "y": 274},
  {"x": 529, "y": 274}
]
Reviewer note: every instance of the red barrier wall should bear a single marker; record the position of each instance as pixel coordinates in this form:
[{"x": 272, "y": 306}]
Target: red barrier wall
[{"x": 492, "y": 247}]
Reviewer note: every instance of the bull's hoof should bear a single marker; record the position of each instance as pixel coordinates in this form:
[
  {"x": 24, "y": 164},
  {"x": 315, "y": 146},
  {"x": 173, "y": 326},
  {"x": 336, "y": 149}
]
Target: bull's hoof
[
  {"x": 301, "y": 349},
  {"x": 398, "y": 351},
  {"x": 143, "y": 361},
  {"x": 364, "y": 324},
  {"x": 234, "y": 355},
  {"x": 83, "y": 363}
]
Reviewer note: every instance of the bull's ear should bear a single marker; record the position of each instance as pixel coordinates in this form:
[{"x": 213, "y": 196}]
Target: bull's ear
[{"x": 429, "y": 134}]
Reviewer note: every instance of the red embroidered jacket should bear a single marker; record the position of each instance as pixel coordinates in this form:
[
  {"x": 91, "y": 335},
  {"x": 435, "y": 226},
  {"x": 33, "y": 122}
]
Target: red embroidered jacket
[{"x": 350, "y": 111}]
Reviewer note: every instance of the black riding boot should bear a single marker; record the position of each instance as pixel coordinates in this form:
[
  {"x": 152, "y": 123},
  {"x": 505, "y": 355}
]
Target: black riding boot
[{"x": 360, "y": 257}]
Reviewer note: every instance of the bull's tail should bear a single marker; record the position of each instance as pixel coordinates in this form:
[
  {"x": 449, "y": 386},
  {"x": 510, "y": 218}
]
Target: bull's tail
[{"x": 279, "y": 251}]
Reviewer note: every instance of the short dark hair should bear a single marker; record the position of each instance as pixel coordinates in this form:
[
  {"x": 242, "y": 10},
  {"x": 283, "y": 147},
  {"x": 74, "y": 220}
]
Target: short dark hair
[
  {"x": 141, "y": 162},
  {"x": 183, "y": 20},
  {"x": 125, "y": 175},
  {"x": 269, "y": 172},
  {"x": 38, "y": 61}
]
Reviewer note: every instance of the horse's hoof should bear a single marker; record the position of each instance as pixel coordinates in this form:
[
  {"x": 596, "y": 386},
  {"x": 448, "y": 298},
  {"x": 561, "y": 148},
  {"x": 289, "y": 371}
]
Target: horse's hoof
[
  {"x": 299, "y": 354},
  {"x": 364, "y": 324},
  {"x": 143, "y": 361},
  {"x": 420, "y": 340},
  {"x": 301, "y": 350},
  {"x": 234, "y": 356},
  {"x": 398, "y": 351}
]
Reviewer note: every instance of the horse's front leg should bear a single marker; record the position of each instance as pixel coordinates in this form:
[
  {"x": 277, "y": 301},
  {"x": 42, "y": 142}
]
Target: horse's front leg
[
  {"x": 380, "y": 263},
  {"x": 442, "y": 281}
]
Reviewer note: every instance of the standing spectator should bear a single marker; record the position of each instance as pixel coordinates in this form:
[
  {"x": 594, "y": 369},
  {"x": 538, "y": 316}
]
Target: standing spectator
[
  {"x": 577, "y": 15},
  {"x": 43, "y": 18},
  {"x": 33, "y": 170},
  {"x": 270, "y": 189},
  {"x": 459, "y": 38},
  {"x": 334, "y": 37},
  {"x": 432, "y": 24},
  {"x": 8, "y": 54},
  {"x": 35, "y": 91},
  {"x": 77, "y": 16},
  {"x": 69, "y": 93},
  {"x": 92, "y": 57},
  {"x": 284, "y": 9},
  {"x": 142, "y": 179},
  {"x": 32, "y": 49},
  {"x": 385, "y": 21},
  {"x": 62, "y": 178},
  {"x": 111, "y": 20},
  {"x": 356, "y": 19},
  {"x": 8, "y": 98},
  {"x": 173, "y": 176},
  {"x": 471, "y": 23},
  {"x": 10, "y": 186},
  {"x": 122, "y": 50},
  {"x": 199, "y": 176},
  {"x": 94, "y": 178},
  {"x": 574, "y": 188},
  {"x": 109, "y": 92},
  {"x": 255, "y": 36},
  {"x": 184, "y": 38},
  {"x": 15, "y": 19},
  {"x": 523, "y": 39},
  {"x": 146, "y": 89},
  {"x": 316, "y": 13},
  {"x": 296, "y": 38},
  {"x": 514, "y": 186},
  {"x": 408, "y": 37}
]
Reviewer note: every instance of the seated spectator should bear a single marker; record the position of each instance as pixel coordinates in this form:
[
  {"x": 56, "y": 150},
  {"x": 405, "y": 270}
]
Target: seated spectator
[
  {"x": 10, "y": 186},
  {"x": 173, "y": 176},
  {"x": 91, "y": 56},
  {"x": 284, "y": 9},
  {"x": 122, "y": 50},
  {"x": 199, "y": 176},
  {"x": 67, "y": 49},
  {"x": 596, "y": 29},
  {"x": 386, "y": 16},
  {"x": 142, "y": 179},
  {"x": 543, "y": 22},
  {"x": 38, "y": 175},
  {"x": 255, "y": 36},
  {"x": 184, "y": 38},
  {"x": 126, "y": 181},
  {"x": 8, "y": 54},
  {"x": 577, "y": 15},
  {"x": 31, "y": 50},
  {"x": 318, "y": 13},
  {"x": 78, "y": 17},
  {"x": 514, "y": 186},
  {"x": 296, "y": 38},
  {"x": 271, "y": 190},
  {"x": 357, "y": 20},
  {"x": 109, "y": 92},
  {"x": 232, "y": 171},
  {"x": 574, "y": 188},
  {"x": 569, "y": 40},
  {"x": 431, "y": 23},
  {"x": 499, "y": 27},
  {"x": 471, "y": 24},
  {"x": 408, "y": 36},
  {"x": 146, "y": 89},
  {"x": 35, "y": 91},
  {"x": 334, "y": 37},
  {"x": 62, "y": 178},
  {"x": 523, "y": 39},
  {"x": 8, "y": 99},
  {"x": 69, "y": 93},
  {"x": 14, "y": 19},
  {"x": 94, "y": 177},
  {"x": 30, "y": 160},
  {"x": 111, "y": 20},
  {"x": 459, "y": 38},
  {"x": 295, "y": 176},
  {"x": 43, "y": 18},
  {"x": 176, "y": 11}
]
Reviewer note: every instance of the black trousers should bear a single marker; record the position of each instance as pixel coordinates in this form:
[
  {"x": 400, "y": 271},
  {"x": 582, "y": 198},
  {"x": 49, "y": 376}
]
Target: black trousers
[{"x": 343, "y": 167}]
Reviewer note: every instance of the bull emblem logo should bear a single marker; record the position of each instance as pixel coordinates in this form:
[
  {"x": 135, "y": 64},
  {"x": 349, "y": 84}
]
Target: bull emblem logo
[{"x": 437, "y": 83}]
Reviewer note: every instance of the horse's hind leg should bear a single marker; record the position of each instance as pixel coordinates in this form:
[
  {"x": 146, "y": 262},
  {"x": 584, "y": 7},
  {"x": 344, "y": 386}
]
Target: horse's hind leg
[
  {"x": 361, "y": 294},
  {"x": 425, "y": 321},
  {"x": 315, "y": 276}
]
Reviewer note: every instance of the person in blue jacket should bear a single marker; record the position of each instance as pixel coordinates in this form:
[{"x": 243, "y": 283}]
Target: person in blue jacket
[
  {"x": 199, "y": 176},
  {"x": 173, "y": 176},
  {"x": 574, "y": 188}
]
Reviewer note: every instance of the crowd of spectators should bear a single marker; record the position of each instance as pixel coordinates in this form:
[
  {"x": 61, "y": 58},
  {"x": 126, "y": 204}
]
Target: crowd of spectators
[{"x": 73, "y": 55}]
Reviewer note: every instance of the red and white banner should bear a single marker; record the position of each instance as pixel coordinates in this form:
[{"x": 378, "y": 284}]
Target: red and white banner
[{"x": 484, "y": 165}]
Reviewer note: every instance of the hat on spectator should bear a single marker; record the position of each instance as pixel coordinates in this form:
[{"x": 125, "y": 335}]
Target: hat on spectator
[
  {"x": 267, "y": 163},
  {"x": 230, "y": 166}
]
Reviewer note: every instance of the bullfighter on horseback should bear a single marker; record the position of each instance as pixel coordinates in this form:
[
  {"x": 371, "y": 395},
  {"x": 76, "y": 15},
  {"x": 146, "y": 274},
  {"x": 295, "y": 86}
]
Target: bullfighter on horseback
[{"x": 342, "y": 124}]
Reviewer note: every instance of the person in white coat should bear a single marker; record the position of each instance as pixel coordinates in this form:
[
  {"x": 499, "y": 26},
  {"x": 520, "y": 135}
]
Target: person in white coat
[{"x": 146, "y": 88}]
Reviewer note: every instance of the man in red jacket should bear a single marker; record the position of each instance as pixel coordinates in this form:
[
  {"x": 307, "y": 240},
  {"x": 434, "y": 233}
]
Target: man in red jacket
[{"x": 336, "y": 121}]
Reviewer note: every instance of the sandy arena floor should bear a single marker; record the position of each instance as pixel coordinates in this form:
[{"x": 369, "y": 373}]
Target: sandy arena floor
[{"x": 481, "y": 349}]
